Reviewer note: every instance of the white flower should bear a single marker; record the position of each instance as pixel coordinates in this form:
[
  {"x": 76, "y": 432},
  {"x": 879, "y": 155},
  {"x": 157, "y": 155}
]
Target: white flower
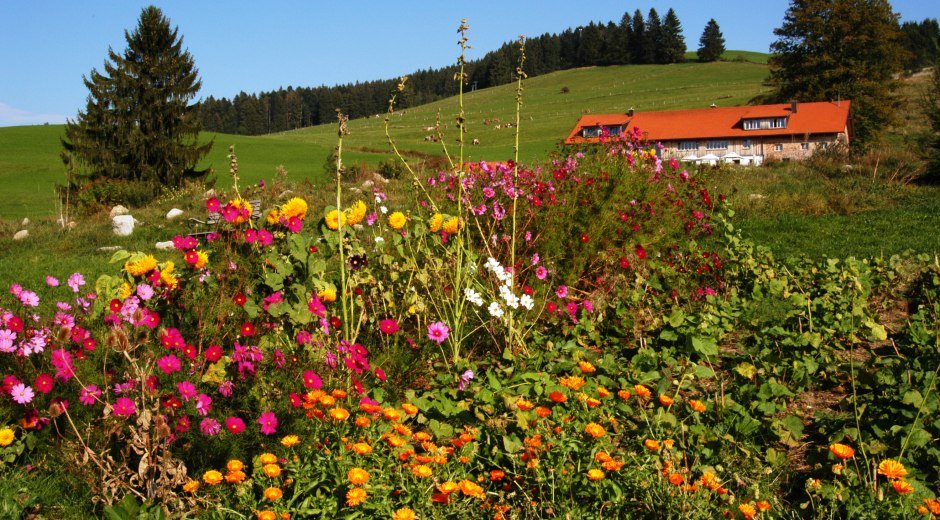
[
  {"x": 512, "y": 301},
  {"x": 379, "y": 240},
  {"x": 491, "y": 264},
  {"x": 526, "y": 301},
  {"x": 378, "y": 199},
  {"x": 383, "y": 209},
  {"x": 495, "y": 310},
  {"x": 473, "y": 296}
]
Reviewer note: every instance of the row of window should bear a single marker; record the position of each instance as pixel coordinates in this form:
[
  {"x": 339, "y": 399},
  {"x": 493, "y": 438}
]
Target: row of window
[
  {"x": 765, "y": 124},
  {"x": 595, "y": 131},
  {"x": 686, "y": 146}
]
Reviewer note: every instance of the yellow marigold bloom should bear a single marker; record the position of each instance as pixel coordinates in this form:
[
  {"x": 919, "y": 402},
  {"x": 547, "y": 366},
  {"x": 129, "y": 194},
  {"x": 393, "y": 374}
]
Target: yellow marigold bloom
[
  {"x": 651, "y": 444},
  {"x": 361, "y": 448},
  {"x": 471, "y": 489},
  {"x": 397, "y": 220},
  {"x": 603, "y": 392},
  {"x": 212, "y": 477},
  {"x": 401, "y": 429},
  {"x": 524, "y": 405},
  {"x": 434, "y": 225},
  {"x": 842, "y": 451},
  {"x": 267, "y": 458},
  {"x": 191, "y": 486},
  {"x": 339, "y": 414},
  {"x": 892, "y": 469},
  {"x": 267, "y": 514},
  {"x": 326, "y": 400},
  {"x": 273, "y": 493},
  {"x": 334, "y": 219},
  {"x": 357, "y": 476},
  {"x": 201, "y": 260},
  {"x": 168, "y": 279},
  {"x": 448, "y": 487},
  {"x": 404, "y": 514},
  {"x": 697, "y": 406},
  {"x": 295, "y": 207},
  {"x": 235, "y": 477},
  {"x": 572, "y": 382},
  {"x": 141, "y": 266},
  {"x": 586, "y": 367},
  {"x": 409, "y": 408},
  {"x": 421, "y": 471},
  {"x": 327, "y": 295},
  {"x": 391, "y": 414},
  {"x": 595, "y": 474},
  {"x": 235, "y": 465},
  {"x": 902, "y": 487},
  {"x": 594, "y": 430},
  {"x": 665, "y": 400},
  {"x": 356, "y": 212},
  {"x": 747, "y": 511},
  {"x": 273, "y": 217},
  {"x": 709, "y": 480},
  {"x": 452, "y": 225},
  {"x": 763, "y": 506},
  {"x": 125, "y": 291},
  {"x": 356, "y": 496},
  {"x": 290, "y": 441},
  {"x": 642, "y": 391},
  {"x": 395, "y": 441},
  {"x": 272, "y": 470}
]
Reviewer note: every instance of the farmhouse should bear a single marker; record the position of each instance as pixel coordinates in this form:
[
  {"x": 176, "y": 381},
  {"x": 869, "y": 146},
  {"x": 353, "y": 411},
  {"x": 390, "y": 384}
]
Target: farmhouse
[{"x": 739, "y": 135}]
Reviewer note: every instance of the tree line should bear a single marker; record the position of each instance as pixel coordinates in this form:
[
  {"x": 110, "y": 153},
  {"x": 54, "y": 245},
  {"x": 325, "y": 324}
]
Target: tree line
[{"x": 637, "y": 39}]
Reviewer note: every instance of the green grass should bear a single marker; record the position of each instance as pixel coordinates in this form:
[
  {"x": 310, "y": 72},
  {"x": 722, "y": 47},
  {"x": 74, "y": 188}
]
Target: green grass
[{"x": 751, "y": 56}]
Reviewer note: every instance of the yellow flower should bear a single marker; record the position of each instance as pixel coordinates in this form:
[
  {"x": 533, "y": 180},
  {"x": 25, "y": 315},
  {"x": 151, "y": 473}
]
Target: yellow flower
[
  {"x": 595, "y": 474},
  {"x": 404, "y": 514},
  {"x": 356, "y": 496},
  {"x": 241, "y": 204},
  {"x": 696, "y": 405},
  {"x": 357, "y": 476},
  {"x": 141, "y": 266},
  {"x": 290, "y": 441},
  {"x": 339, "y": 414},
  {"x": 892, "y": 469},
  {"x": 212, "y": 477},
  {"x": 586, "y": 367},
  {"x": 327, "y": 295},
  {"x": 267, "y": 515},
  {"x": 191, "y": 486},
  {"x": 362, "y": 448},
  {"x": 267, "y": 458},
  {"x": 355, "y": 213},
  {"x": 594, "y": 430},
  {"x": 273, "y": 493},
  {"x": 842, "y": 451},
  {"x": 572, "y": 382},
  {"x": 448, "y": 487},
  {"x": 125, "y": 291},
  {"x": 421, "y": 471},
  {"x": 272, "y": 470},
  {"x": 434, "y": 225},
  {"x": 295, "y": 207},
  {"x": 201, "y": 260},
  {"x": 273, "y": 217},
  {"x": 451, "y": 225},
  {"x": 334, "y": 219},
  {"x": 747, "y": 511},
  {"x": 235, "y": 465},
  {"x": 397, "y": 220},
  {"x": 471, "y": 489}
]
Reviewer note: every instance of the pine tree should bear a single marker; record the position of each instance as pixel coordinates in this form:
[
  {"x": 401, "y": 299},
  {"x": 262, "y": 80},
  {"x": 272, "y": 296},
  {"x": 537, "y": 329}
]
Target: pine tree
[
  {"x": 653, "y": 44},
  {"x": 840, "y": 49},
  {"x": 638, "y": 38},
  {"x": 673, "y": 50},
  {"x": 712, "y": 43},
  {"x": 138, "y": 124}
]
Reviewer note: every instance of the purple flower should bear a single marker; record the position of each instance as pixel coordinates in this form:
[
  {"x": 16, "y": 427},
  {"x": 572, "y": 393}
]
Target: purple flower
[
  {"x": 268, "y": 422},
  {"x": 210, "y": 427},
  {"x": 51, "y": 281},
  {"x": 22, "y": 394},
  {"x": 465, "y": 379},
  {"x": 76, "y": 281},
  {"x": 438, "y": 332}
]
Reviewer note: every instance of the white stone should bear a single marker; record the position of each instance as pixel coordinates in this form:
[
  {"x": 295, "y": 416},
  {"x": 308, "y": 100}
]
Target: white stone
[
  {"x": 118, "y": 210},
  {"x": 25, "y": 222},
  {"x": 109, "y": 249},
  {"x": 164, "y": 246},
  {"x": 122, "y": 225},
  {"x": 21, "y": 234},
  {"x": 173, "y": 213}
]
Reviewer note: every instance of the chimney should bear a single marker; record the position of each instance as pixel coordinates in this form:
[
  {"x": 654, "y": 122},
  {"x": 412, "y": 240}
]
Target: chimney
[
  {"x": 630, "y": 112},
  {"x": 793, "y": 107}
]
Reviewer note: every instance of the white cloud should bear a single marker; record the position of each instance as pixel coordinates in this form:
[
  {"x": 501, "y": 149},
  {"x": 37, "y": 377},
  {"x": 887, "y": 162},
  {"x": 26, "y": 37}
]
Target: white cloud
[{"x": 10, "y": 116}]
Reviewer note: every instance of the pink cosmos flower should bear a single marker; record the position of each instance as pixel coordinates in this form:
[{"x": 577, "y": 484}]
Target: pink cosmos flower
[
  {"x": 88, "y": 395},
  {"x": 250, "y": 236},
  {"x": 312, "y": 380},
  {"x": 7, "y": 337},
  {"x": 235, "y": 425},
  {"x": 44, "y": 383},
  {"x": 213, "y": 205},
  {"x": 22, "y": 394},
  {"x": 388, "y": 326},
  {"x": 169, "y": 364},
  {"x": 186, "y": 389},
  {"x": 265, "y": 237},
  {"x": 144, "y": 291},
  {"x": 561, "y": 291},
  {"x": 438, "y": 332},
  {"x": 316, "y": 306},
  {"x": 76, "y": 281},
  {"x": 29, "y": 298},
  {"x": 541, "y": 272},
  {"x": 268, "y": 422},
  {"x": 380, "y": 374},
  {"x": 203, "y": 404},
  {"x": 210, "y": 427},
  {"x": 51, "y": 281},
  {"x": 124, "y": 407}
]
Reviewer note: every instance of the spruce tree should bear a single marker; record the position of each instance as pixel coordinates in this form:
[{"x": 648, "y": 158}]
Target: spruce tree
[
  {"x": 840, "y": 49},
  {"x": 638, "y": 38},
  {"x": 673, "y": 50},
  {"x": 138, "y": 124},
  {"x": 653, "y": 44},
  {"x": 712, "y": 43}
]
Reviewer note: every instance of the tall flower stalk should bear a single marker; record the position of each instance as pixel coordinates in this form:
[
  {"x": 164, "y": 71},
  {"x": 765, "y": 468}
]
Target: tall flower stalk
[
  {"x": 345, "y": 303},
  {"x": 520, "y": 75}
]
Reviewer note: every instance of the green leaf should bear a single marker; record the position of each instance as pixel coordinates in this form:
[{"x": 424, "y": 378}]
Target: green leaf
[
  {"x": 676, "y": 318},
  {"x": 746, "y": 369},
  {"x": 877, "y": 331},
  {"x": 668, "y": 335},
  {"x": 511, "y": 443},
  {"x": 120, "y": 256},
  {"x": 705, "y": 346}
]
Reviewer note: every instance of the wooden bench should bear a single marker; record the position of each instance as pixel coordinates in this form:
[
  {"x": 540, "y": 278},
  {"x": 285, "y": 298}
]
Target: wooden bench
[{"x": 214, "y": 218}]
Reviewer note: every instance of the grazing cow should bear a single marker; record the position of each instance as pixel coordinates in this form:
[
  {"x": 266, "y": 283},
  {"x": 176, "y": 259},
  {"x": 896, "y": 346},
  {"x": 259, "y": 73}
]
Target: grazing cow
[{"x": 475, "y": 141}]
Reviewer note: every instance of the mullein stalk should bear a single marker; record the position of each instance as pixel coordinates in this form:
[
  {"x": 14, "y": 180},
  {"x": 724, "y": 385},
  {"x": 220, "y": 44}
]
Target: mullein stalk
[
  {"x": 520, "y": 75},
  {"x": 457, "y": 292},
  {"x": 344, "y": 301}
]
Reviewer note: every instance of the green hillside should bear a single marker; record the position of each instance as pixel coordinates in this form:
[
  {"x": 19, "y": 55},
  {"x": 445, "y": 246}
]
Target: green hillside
[{"x": 30, "y": 165}]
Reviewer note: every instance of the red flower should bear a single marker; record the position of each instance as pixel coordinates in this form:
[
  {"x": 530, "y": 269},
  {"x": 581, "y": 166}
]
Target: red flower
[
  {"x": 584, "y": 238},
  {"x": 115, "y": 305},
  {"x": 248, "y": 330},
  {"x": 388, "y": 326},
  {"x": 240, "y": 299},
  {"x": 527, "y": 290},
  {"x": 313, "y": 249},
  {"x": 640, "y": 252},
  {"x": 551, "y": 307},
  {"x": 624, "y": 262},
  {"x": 43, "y": 383},
  {"x": 335, "y": 322},
  {"x": 213, "y": 353}
]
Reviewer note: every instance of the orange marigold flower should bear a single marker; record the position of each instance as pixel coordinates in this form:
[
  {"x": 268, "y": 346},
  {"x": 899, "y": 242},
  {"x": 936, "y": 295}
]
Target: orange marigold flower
[
  {"x": 612, "y": 465},
  {"x": 339, "y": 414},
  {"x": 665, "y": 400},
  {"x": 421, "y": 436},
  {"x": 709, "y": 480},
  {"x": 586, "y": 367},
  {"x": 642, "y": 391},
  {"x": 676, "y": 478},
  {"x": 593, "y": 402},
  {"x": 524, "y": 405},
  {"x": 391, "y": 414},
  {"x": 235, "y": 477},
  {"x": 235, "y": 465},
  {"x": 624, "y": 394},
  {"x": 267, "y": 458},
  {"x": 357, "y": 476},
  {"x": 404, "y": 513},
  {"x": 191, "y": 486},
  {"x": 557, "y": 396},
  {"x": 362, "y": 421},
  {"x": 339, "y": 393},
  {"x": 409, "y": 408},
  {"x": 763, "y": 506},
  {"x": 668, "y": 443},
  {"x": 448, "y": 487},
  {"x": 362, "y": 448},
  {"x": 466, "y": 437},
  {"x": 423, "y": 459},
  {"x": 594, "y": 430},
  {"x": 421, "y": 471},
  {"x": 471, "y": 489},
  {"x": 933, "y": 505},
  {"x": 290, "y": 441},
  {"x": 395, "y": 441},
  {"x": 651, "y": 444},
  {"x": 595, "y": 474},
  {"x": 327, "y": 401},
  {"x": 543, "y": 411},
  {"x": 273, "y": 493},
  {"x": 267, "y": 515},
  {"x": 892, "y": 469},
  {"x": 356, "y": 496},
  {"x": 401, "y": 429},
  {"x": 496, "y": 475},
  {"x": 464, "y": 459},
  {"x": 572, "y": 382},
  {"x": 697, "y": 406},
  {"x": 748, "y": 511},
  {"x": 841, "y": 451},
  {"x": 272, "y": 470},
  {"x": 902, "y": 487},
  {"x": 602, "y": 456},
  {"x": 603, "y": 392}
]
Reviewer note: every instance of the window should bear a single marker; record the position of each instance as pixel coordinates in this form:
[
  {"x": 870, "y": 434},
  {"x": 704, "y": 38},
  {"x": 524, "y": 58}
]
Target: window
[
  {"x": 822, "y": 145},
  {"x": 614, "y": 130},
  {"x": 778, "y": 147},
  {"x": 804, "y": 146},
  {"x": 688, "y": 145},
  {"x": 717, "y": 145},
  {"x": 752, "y": 124},
  {"x": 778, "y": 122},
  {"x": 591, "y": 131},
  {"x": 747, "y": 144}
]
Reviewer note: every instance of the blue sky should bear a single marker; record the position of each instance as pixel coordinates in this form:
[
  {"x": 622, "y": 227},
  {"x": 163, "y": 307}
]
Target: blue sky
[{"x": 47, "y": 46}]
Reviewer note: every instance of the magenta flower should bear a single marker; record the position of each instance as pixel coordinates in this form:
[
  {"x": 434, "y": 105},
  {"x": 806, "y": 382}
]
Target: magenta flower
[
  {"x": 169, "y": 364},
  {"x": 213, "y": 205},
  {"x": 235, "y": 425},
  {"x": 312, "y": 380},
  {"x": 268, "y": 422},
  {"x": 265, "y": 237},
  {"x": 210, "y": 427},
  {"x": 186, "y": 389},
  {"x": 22, "y": 394},
  {"x": 125, "y": 407},
  {"x": 438, "y": 332},
  {"x": 316, "y": 306},
  {"x": 52, "y": 281},
  {"x": 561, "y": 291},
  {"x": 541, "y": 272},
  {"x": 203, "y": 404},
  {"x": 388, "y": 326},
  {"x": 88, "y": 395},
  {"x": 44, "y": 383}
]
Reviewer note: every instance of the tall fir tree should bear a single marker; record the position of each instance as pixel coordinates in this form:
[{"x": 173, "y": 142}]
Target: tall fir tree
[
  {"x": 653, "y": 44},
  {"x": 712, "y": 43},
  {"x": 673, "y": 50},
  {"x": 138, "y": 124},
  {"x": 625, "y": 39},
  {"x": 638, "y": 38},
  {"x": 840, "y": 49}
]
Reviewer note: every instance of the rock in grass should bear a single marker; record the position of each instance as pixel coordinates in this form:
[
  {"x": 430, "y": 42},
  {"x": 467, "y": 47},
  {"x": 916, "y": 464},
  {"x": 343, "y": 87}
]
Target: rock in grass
[
  {"x": 109, "y": 249},
  {"x": 25, "y": 222},
  {"x": 118, "y": 210},
  {"x": 21, "y": 234},
  {"x": 122, "y": 225},
  {"x": 173, "y": 213},
  {"x": 164, "y": 246}
]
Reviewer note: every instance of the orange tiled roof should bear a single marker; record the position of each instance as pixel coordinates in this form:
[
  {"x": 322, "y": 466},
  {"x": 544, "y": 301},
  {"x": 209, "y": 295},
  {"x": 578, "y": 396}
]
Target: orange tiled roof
[{"x": 820, "y": 117}]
